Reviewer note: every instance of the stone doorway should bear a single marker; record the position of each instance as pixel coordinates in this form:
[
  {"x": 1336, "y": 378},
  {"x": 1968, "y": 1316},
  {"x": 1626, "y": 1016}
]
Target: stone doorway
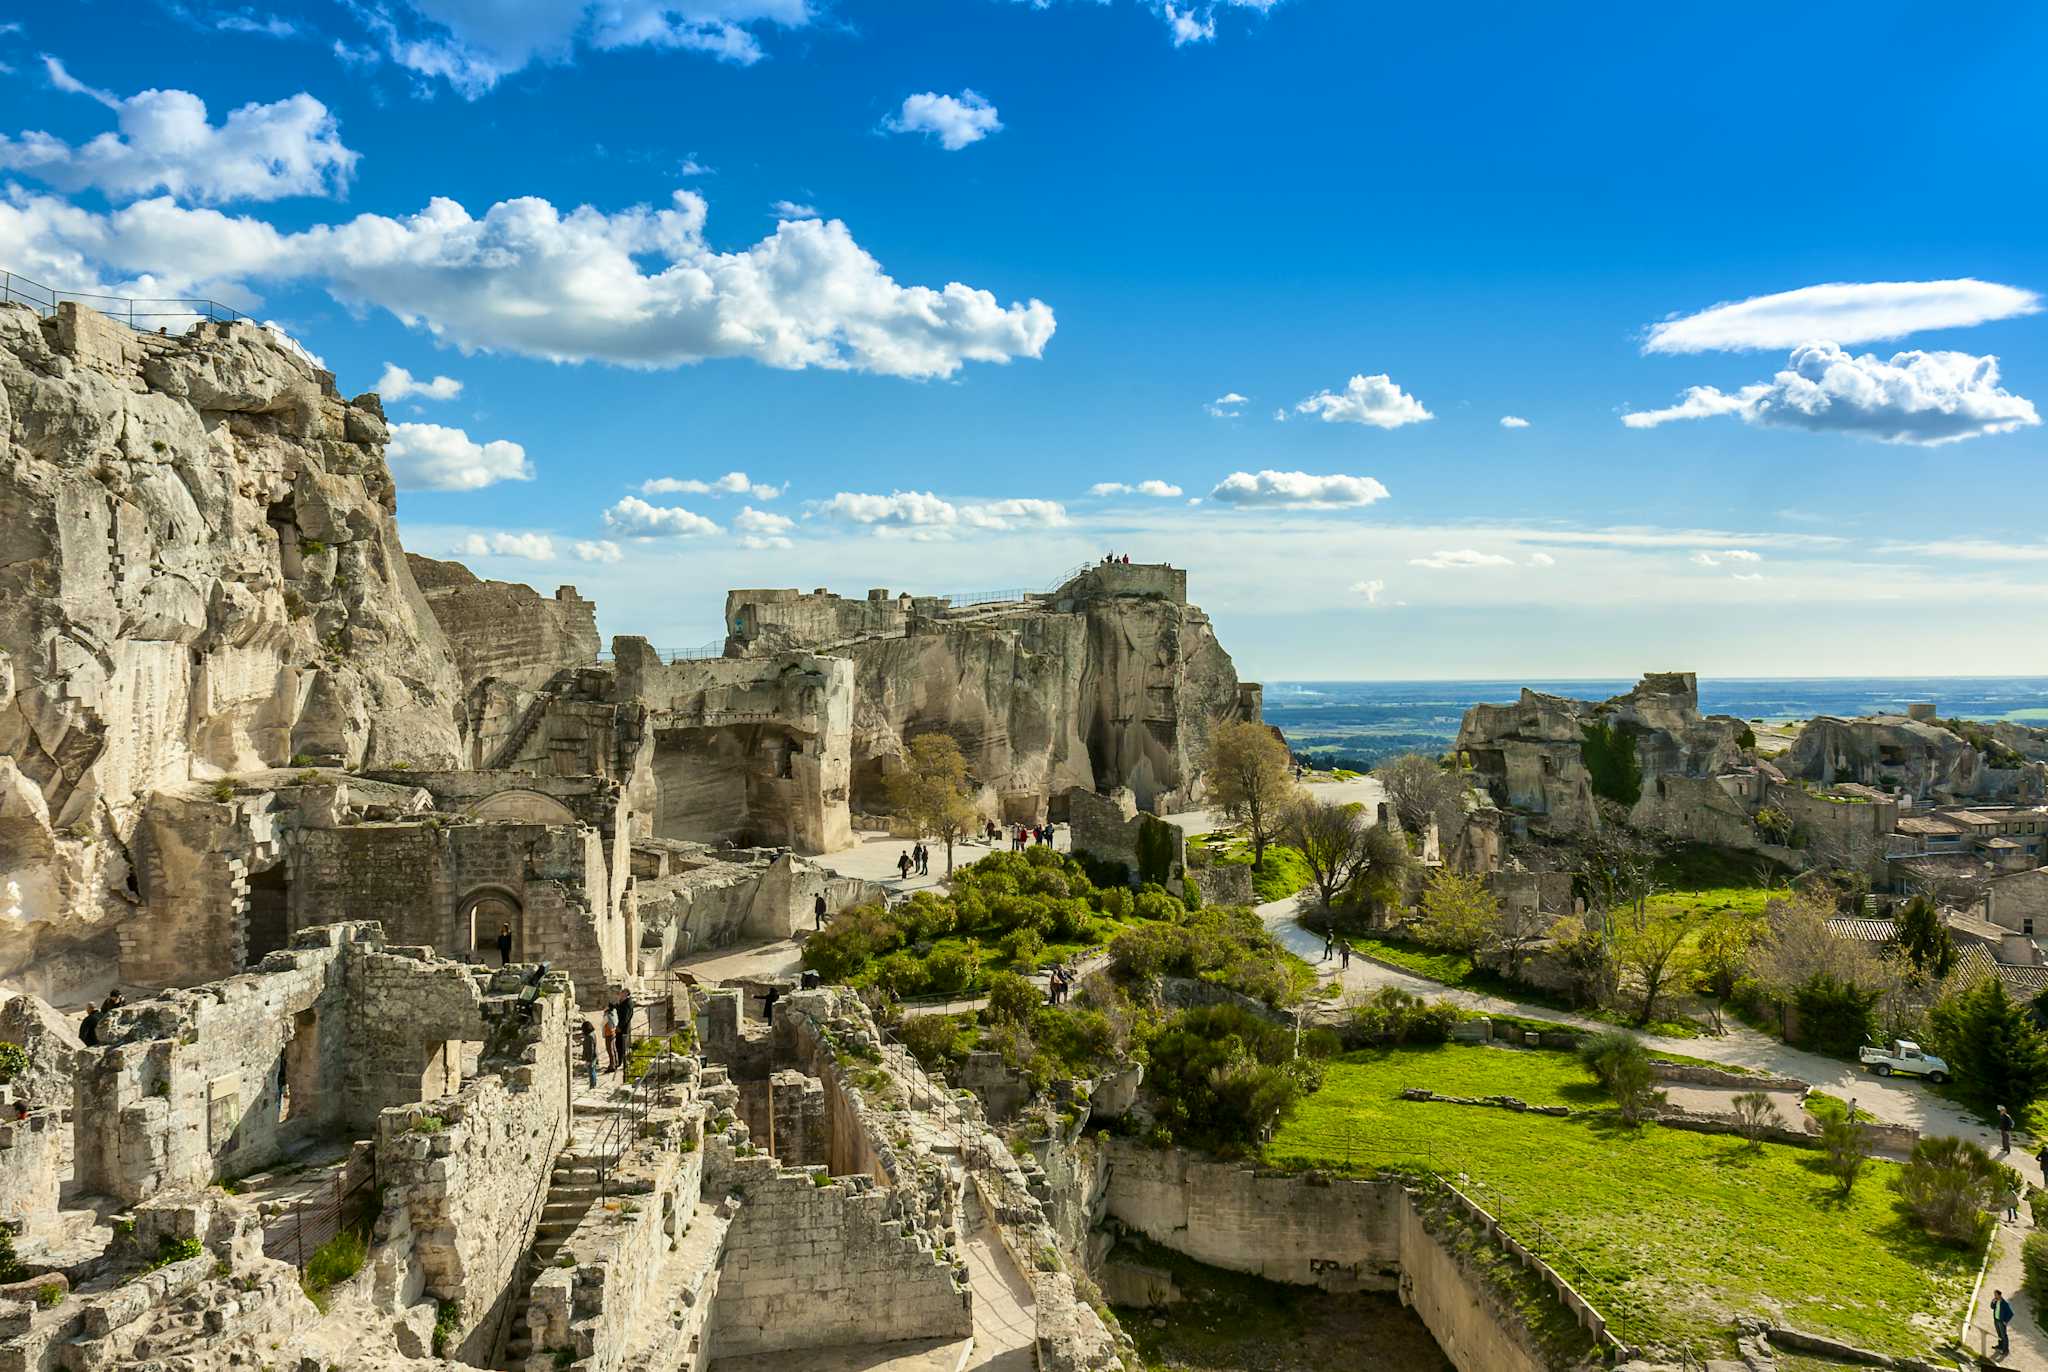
[
  {"x": 266, "y": 925},
  {"x": 486, "y": 914}
]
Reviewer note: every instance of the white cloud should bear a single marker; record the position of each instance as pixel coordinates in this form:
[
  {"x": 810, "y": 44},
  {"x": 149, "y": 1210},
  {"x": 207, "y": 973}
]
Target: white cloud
[
  {"x": 732, "y": 483},
  {"x": 1715, "y": 558},
  {"x": 1741, "y": 555},
  {"x": 1369, "y": 589},
  {"x": 790, "y": 209},
  {"x": 1705, "y": 559},
  {"x": 1373, "y": 400},
  {"x": 1298, "y": 490},
  {"x": 165, "y": 142},
  {"x": 635, "y": 518},
  {"x": 399, "y": 384},
  {"x": 63, "y": 80},
  {"x": 1449, "y": 559},
  {"x": 1229, "y": 406},
  {"x": 1971, "y": 550},
  {"x": 760, "y": 529},
  {"x": 249, "y": 21},
  {"x": 433, "y": 457},
  {"x": 530, "y": 279},
  {"x": 1542, "y": 560},
  {"x": 923, "y": 515},
  {"x": 1189, "y": 25},
  {"x": 955, "y": 120},
  {"x": 1513, "y": 421},
  {"x": 1748, "y": 576},
  {"x": 1847, "y": 312},
  {"x": 531, "y": 547},
  {"x": 474, "y": 44},
  {"x": 1162, "y": 490},
  {"x": 1921, "y": 398},
  {"x": 598, "y": 550}
]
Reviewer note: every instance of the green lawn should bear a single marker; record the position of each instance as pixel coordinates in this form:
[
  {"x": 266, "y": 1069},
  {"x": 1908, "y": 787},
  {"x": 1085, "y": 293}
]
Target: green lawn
[
  {"x": 1281, "y": 874},
  {"x": 1457, "y": 970},
  {"x": 1702, "y": 905},
  {"x": 1681, "y": 1231}
]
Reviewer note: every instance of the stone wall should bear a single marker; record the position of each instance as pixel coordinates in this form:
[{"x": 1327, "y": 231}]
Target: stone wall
[
  {"x": 748, "y": 751},
  {"x": 31, "y": 1168},
  {"x": 503, "y": 629},
  {"x": 1110, "y": 829},
  {"x": 200, "y": 575},
  {"x": 1474, "y": 1326}
]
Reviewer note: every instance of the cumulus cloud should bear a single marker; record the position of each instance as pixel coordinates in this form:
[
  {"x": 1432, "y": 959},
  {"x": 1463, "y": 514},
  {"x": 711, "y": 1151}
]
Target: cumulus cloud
[
  {"x": 598, "y": 550},
  {"x": 1371, "y": 590},
  {"x": 399, "y": 384},
  {"x": 1847, "y": 312},
  {"x": 1298, "y": 490},
  {"x": 790, "y": 209},
  {"x": 1513, "y": 421},
  {"x": 760, "y": 529},
  {"x": 166, "y": 143},
  {"x": 528, "y": 278},
  {"x": 530, "y": 547},
  {"x": 732, "y": 483},
  {"x": 1163, "y": 490},
  {"x": 921, "y": 514},
  {"x": 1373, "y": 400},
  {"x": 955, "y": 120},
  {"x": 474, "y": 44},
  {"x": 1922, "y": 398},
  {"x": 1228, "y": 406},
  {"x": 635, "y": 518},
  {"x": 1452, "y": 559},
  {"x": 434, "y": 457}
]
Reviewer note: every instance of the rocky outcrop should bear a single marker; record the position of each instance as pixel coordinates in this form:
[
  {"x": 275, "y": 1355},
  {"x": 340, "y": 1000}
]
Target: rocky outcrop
[
  {"x": 505, "y": 631},
  {"x": 1923, "y": 759},
  {"x": 1554, "y": 757},
  {"x": 199, "y": 576},
  {"x": 1110, "y": 680}
]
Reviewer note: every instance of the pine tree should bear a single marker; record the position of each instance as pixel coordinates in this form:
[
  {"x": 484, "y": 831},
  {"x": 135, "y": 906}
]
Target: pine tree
[
  {"x": 1923, "y": 937},
  {"x": 1996, "y": 1053}
]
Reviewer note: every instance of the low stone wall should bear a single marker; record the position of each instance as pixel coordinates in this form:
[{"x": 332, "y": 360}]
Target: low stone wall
[
  {"x": 1695, "y": 1074},
  {"x": 1497, "y": 1102}
]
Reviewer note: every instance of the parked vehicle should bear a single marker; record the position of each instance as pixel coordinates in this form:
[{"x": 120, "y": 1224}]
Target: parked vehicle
[{"x": 1904, "y": 1057}]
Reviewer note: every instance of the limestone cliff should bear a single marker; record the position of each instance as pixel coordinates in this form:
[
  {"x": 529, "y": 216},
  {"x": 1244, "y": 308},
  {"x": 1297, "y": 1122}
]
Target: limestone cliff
[
  {"x": 1113, "y": 679},
  {"x": 199, "y": 575},
  {"x": 504, "y": 630},
  {"x": 1924, "y": 759}
]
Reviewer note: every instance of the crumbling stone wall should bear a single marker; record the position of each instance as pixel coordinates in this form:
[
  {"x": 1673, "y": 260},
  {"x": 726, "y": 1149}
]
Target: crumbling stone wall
[
  {"x": 31, "y": 1167},
  {"x": 1110, "y": 829}
]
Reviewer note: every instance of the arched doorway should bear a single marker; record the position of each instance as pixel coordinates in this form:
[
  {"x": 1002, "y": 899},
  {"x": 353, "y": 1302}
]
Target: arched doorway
[{"x": 483, "y": 915}]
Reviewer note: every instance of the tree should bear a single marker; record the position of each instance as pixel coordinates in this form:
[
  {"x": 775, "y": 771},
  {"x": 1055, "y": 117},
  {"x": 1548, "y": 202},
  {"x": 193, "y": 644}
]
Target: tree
[
  {"x": 1421, "y": 790},
  {"x": 1516, "y": 928},
  {"x": 1618, "y": 1061},
  {"x": 1346, "y": 853},
  {"x": 1655, "y": 953},
  {"x": 1996, "y": 1054},
  {"x": 1949, "y": 1185},
  {"x": 1755, "y": 1115},
  {"x": 1922, "y": 937},
  {"x": 1457, "y": 912},
  {"x": 932, "y": 790},
  {"x": 1251, "y": 780},
  {"x": 1617, "y": 872}
]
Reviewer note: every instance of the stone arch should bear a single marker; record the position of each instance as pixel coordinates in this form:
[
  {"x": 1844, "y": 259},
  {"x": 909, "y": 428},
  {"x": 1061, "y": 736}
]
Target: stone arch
[
  {"x": 522, "y": 806},
  {"x": 479, "y": 916}
]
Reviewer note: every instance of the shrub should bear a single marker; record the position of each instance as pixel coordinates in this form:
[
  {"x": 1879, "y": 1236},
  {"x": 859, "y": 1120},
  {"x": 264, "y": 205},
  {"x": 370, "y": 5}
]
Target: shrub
[
  {"x": 934, "y": 1040},
  {"x": 1012, "y": 998},
  {"x": 948, "y": 971},
  {"x": 1599, "y": 1052},
  {"x": 10, "y": 1266},
  {"x": 170, "y": 1250},
  {"x": 1395, "y": 1016},
  {"x": 1755, "y": 1115},
  {"x": 447, "y": 1315},
  {"x": 1619, "y": 1062},
  {"x": 224, "y": 790},
  {"x": 429, "y": 1124},
  {"x": 13, "y": 1061},
  {"x": 1023, "y": 947},
  {"x": 1836, "y": 1017},
  {"x": 1845, "y": 1148},
  {"x": 1609, "y": 753},
  {"x": 50, "y": 1296},
  {"x": 332, "y": 1263},
  {"x": 1223, "y": 1076},
  {"x": 2034, "y": 1265},
  {"x": 1948, "y": 1185}
]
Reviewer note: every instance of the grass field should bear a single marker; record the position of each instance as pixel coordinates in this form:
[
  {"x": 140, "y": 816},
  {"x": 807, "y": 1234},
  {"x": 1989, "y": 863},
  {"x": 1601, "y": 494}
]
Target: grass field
[
  {"x": 1455, "y": 969},
  {"x": 1681, "y": 1231},
  {"x": 1283, "y": 872}
]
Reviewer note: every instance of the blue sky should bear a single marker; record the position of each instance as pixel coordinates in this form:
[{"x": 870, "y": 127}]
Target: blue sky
[{"x": 1476, "y": 212}]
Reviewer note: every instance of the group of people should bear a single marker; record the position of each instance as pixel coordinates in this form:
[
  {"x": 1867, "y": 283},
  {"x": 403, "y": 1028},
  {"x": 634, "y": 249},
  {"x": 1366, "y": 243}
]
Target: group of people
[
  {"x": 1059, "y": 984},
  {"x": 918, "y": 860},
  {"x": 1112, "y": 560},
  {"x": 1025, "y": 835},
  {"x": 89, "y": 1027},
  {"x": 618, "y": 1038},
  {"x": 1341, "y": 947}
]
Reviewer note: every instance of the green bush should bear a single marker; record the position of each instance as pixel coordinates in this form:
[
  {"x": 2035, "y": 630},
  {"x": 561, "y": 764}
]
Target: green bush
[
  {"x": 332, "y": 1263},
  {"x": 935, "y": 1040},
  {"x": 1835, "y": 1017},
  {"x": 13, "y": 1061},
  {"x": 170, "y": 1250},
  {"x": 1996, "y": 1053},
  {"x": 1395, "y": 1016},
  {"x": 447, "y": 1315},
  {"x": 1950, "y": 1187},
  {"x": 10, "y": 1267},
  {"x": 1011, "y": 997},
  {"x": 2034, "y": 1266},
  {"x": 1225, "y": 1078}
]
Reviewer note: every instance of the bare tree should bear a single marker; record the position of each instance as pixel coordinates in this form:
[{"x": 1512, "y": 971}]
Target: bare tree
[
  {"x": 1515, "y": 929},
  {"x": 1346, "y": 853},
  {"x": 1756, "y": 1114},
  {"x": 1251, "y": 779},
  {"x": 1422, "y": 789}
]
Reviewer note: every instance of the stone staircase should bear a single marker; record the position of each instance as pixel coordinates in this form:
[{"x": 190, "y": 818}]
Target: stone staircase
[{"x": 572, "y": 1190}]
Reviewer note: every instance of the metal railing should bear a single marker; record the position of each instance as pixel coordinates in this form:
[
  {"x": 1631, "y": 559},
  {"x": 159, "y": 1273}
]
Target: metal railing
[
  {"x": 173, "y": 313},
  {"x": 313, "y": 1222},
  {"x": 703, "y": 651}
]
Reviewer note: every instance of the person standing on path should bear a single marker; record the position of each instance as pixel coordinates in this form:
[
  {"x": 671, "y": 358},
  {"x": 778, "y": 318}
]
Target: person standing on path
[
  {"x": 903, "y": 866},
  {"x": 587, "y": 1041},
  {"x": 1344, "y": 952},
  {"x": 2001, "y": 1319},
  {"x": 611, "y": 1042},
  {"x": 2004, "y": 1130},
  {"x": 818, "y": 911},
  {"x": 2009, "y": 1202},
  {"x": 1329, "y": 942},
  {"x": 2042, "y": 1158},
  {"x": 504, "y": 944},
  {"x": 625, "y": 1028}
]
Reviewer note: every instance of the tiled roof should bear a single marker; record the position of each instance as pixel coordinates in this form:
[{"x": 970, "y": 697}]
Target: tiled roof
[{"x": 1863, "y": 930}]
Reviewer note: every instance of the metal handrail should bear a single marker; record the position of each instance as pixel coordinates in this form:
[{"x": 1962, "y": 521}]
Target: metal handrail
[{"x": 138, "y": 312}]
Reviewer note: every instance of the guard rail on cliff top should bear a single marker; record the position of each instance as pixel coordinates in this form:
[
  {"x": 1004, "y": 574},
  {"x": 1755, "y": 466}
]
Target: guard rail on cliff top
[{"x": 174, "y": 313}]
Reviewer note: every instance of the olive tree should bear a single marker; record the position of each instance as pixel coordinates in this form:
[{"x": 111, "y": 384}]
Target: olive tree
[
  {"x": 1251, "y": 779},
  {"x": 932, "y": 790}
]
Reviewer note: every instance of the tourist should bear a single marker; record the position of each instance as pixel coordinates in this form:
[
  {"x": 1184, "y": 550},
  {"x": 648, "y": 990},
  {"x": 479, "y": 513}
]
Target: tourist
[
  {"x": 1344, "y": 953},
  {"x": 504, "y": 944},
  {"x": 89, "y": 1027},
  {"x": 625, "y": 1028},
  {"x": 2009, "y": 1200},
  {"x": 2004, "y": 1130},
  {"x": 1329, "y": 942},
  {"x": 2001, "y": 1316},
  {"x": 2042, "y": 1158},
  {"x": 588, "y": 1038},
  {"x": 818, "y": 911},
  {"x": 611, "y": 1042},
  {"x": 924, "y": 860},
  {"x": 768, "y": 999},
  {"x": 903, "y": 866}
]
